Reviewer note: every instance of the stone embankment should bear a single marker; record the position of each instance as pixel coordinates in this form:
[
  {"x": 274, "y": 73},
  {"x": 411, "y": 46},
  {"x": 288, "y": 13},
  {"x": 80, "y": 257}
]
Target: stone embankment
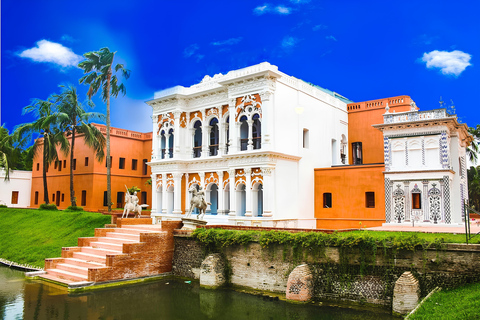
[{"x": 392, "y": 279}]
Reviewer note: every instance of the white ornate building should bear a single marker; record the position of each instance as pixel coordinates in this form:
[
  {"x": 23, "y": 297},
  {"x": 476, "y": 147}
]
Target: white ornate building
[
  {"x": 425, "y": 166},
  {"x": 252, "y": 138}
]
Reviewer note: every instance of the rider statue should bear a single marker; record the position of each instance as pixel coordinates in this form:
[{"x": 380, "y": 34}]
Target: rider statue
[{"x": 201, "y": 195}]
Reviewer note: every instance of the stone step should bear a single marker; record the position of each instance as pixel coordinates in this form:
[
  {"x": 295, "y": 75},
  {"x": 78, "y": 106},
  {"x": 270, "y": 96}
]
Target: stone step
[
  {"x": 72, "y": 268},
  {"x": 99, "y": 251},
  {"x": 144, "y": 227},
  {"x": 132, "y": 230},
  {"x": 62, "y": 274},
  {"x": 124, "y": 235},
  {"x": 89, "y": 257},
  {"x": 109, "y": 246},
  {"x": 52, "y": 277},
  {"x": 117, "y": 240},
  {"x": 85, "y": 263}
]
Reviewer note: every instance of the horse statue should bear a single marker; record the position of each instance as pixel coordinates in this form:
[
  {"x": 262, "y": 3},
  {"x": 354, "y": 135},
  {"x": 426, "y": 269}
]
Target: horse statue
[
  {"x": 198, "y": 201},
  {"x": 131, "y": 205}
]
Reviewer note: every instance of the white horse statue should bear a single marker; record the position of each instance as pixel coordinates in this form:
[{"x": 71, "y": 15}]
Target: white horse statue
[
  {"x": 198, "y": 201},
  {"x": 131, "y": 205}
]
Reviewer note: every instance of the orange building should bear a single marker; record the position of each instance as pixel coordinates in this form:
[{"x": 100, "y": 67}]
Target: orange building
[
  {"x": 130, "y": 152},
  {"x": 353, "y": 195}
]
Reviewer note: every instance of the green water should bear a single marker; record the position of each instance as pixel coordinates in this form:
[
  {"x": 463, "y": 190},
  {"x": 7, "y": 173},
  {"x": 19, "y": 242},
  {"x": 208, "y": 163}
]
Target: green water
[{"x": 165, "y": 299}]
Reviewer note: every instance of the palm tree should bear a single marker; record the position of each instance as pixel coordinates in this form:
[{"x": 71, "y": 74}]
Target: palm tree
[
  {"x": 6, "y": 151},
  {"x": 43, "y": 110},
  {"x": 74, "y": 120},
  {"x": 473, "y": 149},
  {"x": 98, "y": 66}
]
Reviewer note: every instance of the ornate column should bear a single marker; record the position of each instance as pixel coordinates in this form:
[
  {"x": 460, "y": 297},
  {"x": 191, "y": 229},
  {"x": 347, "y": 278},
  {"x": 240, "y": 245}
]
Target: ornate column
[
  {"x": 176, "y": 134},
  {"x": 177, "y": 193},
  {"x": 164, "y": 193},
  {"x": 250, "y": 134},
  {"x": 233, "y": 198},
  {"x": 192, "y": 135},
  {"x": 154, "y": 193},
  {"x": 187, "y": 196},
  {"x": 267, "y": 120},
  {"x": 268, "y": 191},
  {"x": 221, "y": 139},
  {"x": 220, "y": 201},
  {"x": 426, "y": 213},
  {"x": 406, "y": 185},
  {"x": 233, "y": 141},
  {"x": 248, "y": 192},
  {"x": 202, "y": 179},
  {"x": 155, "y": 137},
  {"x": 205, "y": 134}
]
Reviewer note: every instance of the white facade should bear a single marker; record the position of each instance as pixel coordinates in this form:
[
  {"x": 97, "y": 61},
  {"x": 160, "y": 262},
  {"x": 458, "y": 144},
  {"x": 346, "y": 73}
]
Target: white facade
[
  {"x": 252, "y": 138},
  {"x": 425, "y": 167},
  {"x": 17, "y": 191}
]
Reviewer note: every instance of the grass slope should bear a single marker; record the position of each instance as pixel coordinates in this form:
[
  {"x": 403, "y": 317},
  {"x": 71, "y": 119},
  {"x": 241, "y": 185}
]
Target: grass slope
[
  {"x": 459, "y": 303},
  {"x": 30, "y": 236},
  {"x": 430, "y": 237}
]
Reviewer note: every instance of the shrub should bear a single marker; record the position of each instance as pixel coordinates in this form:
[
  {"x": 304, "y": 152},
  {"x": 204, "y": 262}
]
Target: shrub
[
  {"x": 3, "y": 206},
  {"x": 45, "y": 206},
  {"x": 74, "y": 208}
]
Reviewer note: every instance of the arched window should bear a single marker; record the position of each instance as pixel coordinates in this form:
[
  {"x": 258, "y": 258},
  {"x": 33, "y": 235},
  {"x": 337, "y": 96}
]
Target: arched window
[
  {"x": 213, "y": 199},
  {"x": 241, "y": 200},
  {"x": 197, "y": 139},
  {"x": 243, "y": 133},
  {"x": 257, "y": 132},
  {"x": 170, "y": 144},
  {"x": 214, "y": 137},
  {"x": 163, "y": 144},
  {"x": 257, "y": 198},
  {"x": 227, "y": 135}
]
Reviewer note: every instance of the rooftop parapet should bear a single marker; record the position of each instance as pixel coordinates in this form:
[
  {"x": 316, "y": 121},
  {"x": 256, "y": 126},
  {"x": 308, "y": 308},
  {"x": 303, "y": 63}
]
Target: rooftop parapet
[{"x": 415, "y": 115}]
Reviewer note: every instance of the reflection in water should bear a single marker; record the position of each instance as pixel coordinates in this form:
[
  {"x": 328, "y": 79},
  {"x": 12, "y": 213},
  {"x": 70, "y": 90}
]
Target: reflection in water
[{"x": 167, "y": 299}]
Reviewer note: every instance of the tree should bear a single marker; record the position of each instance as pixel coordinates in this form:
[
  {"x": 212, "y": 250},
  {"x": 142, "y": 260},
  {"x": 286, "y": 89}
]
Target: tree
[
  {"x": 45, "y": 125},
  {"x": 7, "y": 151},
  {"x": 99, "y": 74},
  {"x": 473, "y": 177},
  {"x": 472, "y": 150},
  {"x": 73, "y": 121}
]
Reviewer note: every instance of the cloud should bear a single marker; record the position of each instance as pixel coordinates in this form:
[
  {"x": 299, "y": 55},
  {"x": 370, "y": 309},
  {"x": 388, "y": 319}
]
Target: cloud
[
  {"x": 289, "y": 42},
  {"x": 450, "y": 63},
  {"x": 331, "y": 38},
  {"x": 299, "y": 1},
  {"x": 67, "y": 38},
  {"x": 199, "y": 57},
  {"x": 283, "y": 10},
  {"x": 425, "y": 39},
  {"x": 190, "y": 50},
  {"x": 47, "y": 51},
  {"x": 267, "y": 8},
  {"x": 227, "y": 42},
  {"x": 319, "y": 27}
]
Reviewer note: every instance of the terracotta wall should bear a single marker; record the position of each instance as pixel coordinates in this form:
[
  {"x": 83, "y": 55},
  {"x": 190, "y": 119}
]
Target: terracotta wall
[
  {"x": 348, "y": 186},
  {"x": 92, "y": 178},
  {"x": 361, "y": 117}
]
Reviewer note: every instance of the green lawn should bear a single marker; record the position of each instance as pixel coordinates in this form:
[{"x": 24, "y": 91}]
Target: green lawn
[
  {"x": 430, "y": 237},
  {"x": 458, "y": 303},
  {"x": 31, "y": 235}
]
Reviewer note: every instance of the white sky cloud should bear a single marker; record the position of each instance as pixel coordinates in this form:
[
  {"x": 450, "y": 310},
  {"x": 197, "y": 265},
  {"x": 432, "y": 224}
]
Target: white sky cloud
[
  {"x": 283, "y": 10},
  {"x": 299, "y": 1},
  {"x": 331, "y": 38},
  {"x": 319, "y": 27},
  {"x": 450, "y": 63},
  {"x": 227, "y": 42},
  {"x": 289, "y": 42},
  {"x": 47, "y": 51},
  {"x": 190, "y": 50},
  {"x": 267, "y": 8}
]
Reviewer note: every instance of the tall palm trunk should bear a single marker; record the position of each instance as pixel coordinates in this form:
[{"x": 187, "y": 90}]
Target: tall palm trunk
[
  {"x": 109, "y": 164},
  {"x": 72, "y": 191},
  {"x": 45, "y": 167}
]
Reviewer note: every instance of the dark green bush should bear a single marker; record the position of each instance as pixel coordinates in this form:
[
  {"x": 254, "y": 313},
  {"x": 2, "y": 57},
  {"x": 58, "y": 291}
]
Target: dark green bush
[
  {"x": 74, "y": 208},
  {"x": 3, "y": 206},
  {"x": 45, "y": 206}
]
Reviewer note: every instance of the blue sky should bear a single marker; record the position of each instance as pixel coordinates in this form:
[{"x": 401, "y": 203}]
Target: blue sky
[{"x": 363, "y": 50}]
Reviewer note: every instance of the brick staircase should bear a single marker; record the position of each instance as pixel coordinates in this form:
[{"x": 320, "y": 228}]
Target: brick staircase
[{"x": 133, "y": 248}]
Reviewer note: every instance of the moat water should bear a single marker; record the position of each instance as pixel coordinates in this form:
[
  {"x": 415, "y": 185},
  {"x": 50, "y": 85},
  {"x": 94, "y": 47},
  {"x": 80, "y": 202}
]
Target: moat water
[{"x": 164, "y": 299}]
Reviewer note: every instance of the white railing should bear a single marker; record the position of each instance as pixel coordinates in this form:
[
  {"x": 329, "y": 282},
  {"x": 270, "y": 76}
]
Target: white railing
[{"x": 409, "y": 116}]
